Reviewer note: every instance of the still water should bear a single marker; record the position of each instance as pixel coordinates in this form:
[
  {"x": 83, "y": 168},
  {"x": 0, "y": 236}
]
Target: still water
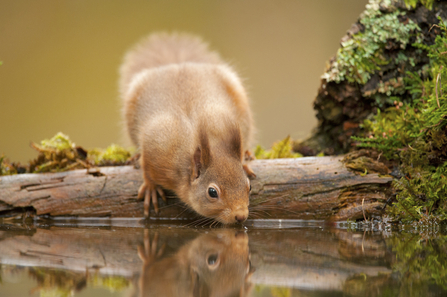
[{"x": 262, "y": 258}]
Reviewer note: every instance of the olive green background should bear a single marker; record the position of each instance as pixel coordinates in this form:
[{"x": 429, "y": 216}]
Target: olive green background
[{"x": 60, "y": 61}]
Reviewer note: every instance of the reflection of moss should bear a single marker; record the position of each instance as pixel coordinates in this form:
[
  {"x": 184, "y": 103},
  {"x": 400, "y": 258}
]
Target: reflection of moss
[
  {"x": 112, "y": 283},
  {"x": 420, "y": 262},
  {"x": 281, "y": 292},
  {"x": 265, "y": 290},
  {"x": 280, "y": 149},
  {"x": 56, "y": 282},
  {"x": 418, "y": 265},
  {"x": 364, "y": 285},
  {"x": 415, "y": 134}
]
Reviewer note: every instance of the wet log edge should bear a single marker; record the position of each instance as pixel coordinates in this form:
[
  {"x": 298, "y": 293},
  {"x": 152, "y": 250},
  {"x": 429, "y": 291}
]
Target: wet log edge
[{"x": 319, "y": 188}]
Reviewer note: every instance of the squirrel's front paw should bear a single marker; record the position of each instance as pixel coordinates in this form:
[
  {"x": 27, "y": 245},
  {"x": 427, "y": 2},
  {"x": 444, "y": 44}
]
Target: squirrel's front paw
[
  {"x": 150, "y": 251},
  {"x": 148, "y": 191},
  {"x": 249, "y": 171},
  {"x": 248, "y": 156}
]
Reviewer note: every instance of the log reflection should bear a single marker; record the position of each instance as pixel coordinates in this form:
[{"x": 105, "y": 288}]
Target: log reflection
[{"x": 173, "y": 261}]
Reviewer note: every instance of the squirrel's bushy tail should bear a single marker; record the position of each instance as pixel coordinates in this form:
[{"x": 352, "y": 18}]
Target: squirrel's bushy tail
[{"x": 162, "y": 49}]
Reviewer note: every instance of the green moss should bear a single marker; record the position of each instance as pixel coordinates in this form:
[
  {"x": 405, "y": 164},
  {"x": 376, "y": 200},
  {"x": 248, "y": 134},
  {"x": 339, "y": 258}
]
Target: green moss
[
  {"x": 365, "y": 162},
  {"x": 414, "y": 3},
  {"x": 113, "y": 155},
  {"x": 280, "y": 149},
  {"x": 362, "y": 54},
  {"x": 59, "y": 142},
  {"x": 6, "y": 168},
  {"x": 57, "y": 154},
  {"x": 415, "y": 134},
  {"x": 61, "y": 154}
]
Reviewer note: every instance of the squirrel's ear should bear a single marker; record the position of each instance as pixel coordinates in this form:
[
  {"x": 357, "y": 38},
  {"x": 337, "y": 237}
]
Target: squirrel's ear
[
  {"x": 205, "y": 148},
  {"x": 202, "y": 156},
  {"x": 197, "y": 162},
  {"x": 236, "y": 141}
]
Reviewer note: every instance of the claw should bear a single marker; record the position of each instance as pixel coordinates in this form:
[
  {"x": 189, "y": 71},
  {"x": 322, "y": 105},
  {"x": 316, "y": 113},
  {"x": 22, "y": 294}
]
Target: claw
[
  {"x": 149, "y": 193},
  {"x": 249, "y": 171},
  {"x": 150, "y": 251},
  {"x": 147, "y": 202},
  {"x": 142, "y": 191},
  {"x": 154, "y": 200},
  {"x": 249, "y": 156},
  {"x": 161, "y": 193}
]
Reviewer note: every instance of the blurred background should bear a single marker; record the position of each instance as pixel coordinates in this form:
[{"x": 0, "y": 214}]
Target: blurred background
[{"x": 61, "y": 59}]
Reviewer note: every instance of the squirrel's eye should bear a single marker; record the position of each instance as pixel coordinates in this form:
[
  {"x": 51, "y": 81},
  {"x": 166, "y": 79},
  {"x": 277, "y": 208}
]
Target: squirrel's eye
[
  {"x": 212, "y": 192},
  {"x": 250, "y": 188},
  {"x": 212, "y": 259}
]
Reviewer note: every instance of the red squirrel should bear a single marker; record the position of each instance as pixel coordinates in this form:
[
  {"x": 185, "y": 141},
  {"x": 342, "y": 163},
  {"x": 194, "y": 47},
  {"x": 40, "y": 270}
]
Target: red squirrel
[
  {"x": 189, "y": 114},
  {"x": 213, "y": 264}
]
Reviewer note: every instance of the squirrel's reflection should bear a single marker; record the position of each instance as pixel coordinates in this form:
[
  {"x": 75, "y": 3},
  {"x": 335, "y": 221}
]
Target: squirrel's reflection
[{"x": 213, "y": 264}]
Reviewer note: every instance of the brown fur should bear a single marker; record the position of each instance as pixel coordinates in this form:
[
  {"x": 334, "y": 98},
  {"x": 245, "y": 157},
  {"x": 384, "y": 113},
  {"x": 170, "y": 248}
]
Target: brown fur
[
  {"x": 188, "y": 271},
  {"x": 189, "y": 114}
]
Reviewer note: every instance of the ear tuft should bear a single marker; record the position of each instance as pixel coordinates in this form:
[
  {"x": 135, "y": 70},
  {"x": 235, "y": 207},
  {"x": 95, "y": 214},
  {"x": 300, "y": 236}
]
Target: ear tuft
[
  {"x": 202, "y": 154},
  {"x": 197, "y": 162},
  {"x": 235, "y": 141},
  {"x": 205, "y": 148}
]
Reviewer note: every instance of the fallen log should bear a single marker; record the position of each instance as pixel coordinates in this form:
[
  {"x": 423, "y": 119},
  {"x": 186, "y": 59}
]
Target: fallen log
[{"x": 320, "y": 188}]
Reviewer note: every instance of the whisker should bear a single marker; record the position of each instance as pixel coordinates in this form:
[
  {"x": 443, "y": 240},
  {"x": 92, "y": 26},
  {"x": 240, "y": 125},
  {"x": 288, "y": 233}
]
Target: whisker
[
  {"x": 254, "y": 216},
  {"x": 273, "y": 198},
  {"x": 186, "y": 208},
  {"x": 196, "y": 222},
  {"x": 181, "y": 204},
  {"x": 272, "y": 207}
]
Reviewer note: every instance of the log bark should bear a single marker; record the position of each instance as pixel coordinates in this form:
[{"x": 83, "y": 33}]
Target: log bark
[{"x": 305, "y": 188}]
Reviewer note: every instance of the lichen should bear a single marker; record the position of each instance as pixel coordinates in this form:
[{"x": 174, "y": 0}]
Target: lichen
[
  {"x": 369, "y": 70},
  {"x": 362, "y": 54}
]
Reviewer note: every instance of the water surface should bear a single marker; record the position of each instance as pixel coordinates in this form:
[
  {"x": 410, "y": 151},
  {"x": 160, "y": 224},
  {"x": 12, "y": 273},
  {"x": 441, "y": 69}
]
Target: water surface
[{"x": 263, "y": 258}]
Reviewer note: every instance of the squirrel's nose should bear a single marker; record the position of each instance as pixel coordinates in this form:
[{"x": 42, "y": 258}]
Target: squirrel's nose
[{"x": 240, "y": 218}]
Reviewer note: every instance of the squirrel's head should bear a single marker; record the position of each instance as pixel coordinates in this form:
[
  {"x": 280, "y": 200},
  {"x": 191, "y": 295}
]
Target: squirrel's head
[{"x": 220, "y": 187}]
